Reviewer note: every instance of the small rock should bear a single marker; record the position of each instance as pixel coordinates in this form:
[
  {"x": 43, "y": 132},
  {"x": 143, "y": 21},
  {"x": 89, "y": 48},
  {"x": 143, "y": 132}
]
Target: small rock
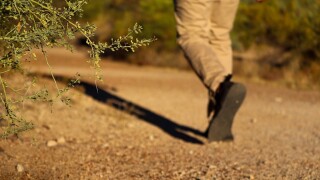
[
  {"x": 253, "y": 120},
  {"x": 182, "y": 173},
  {"x": 191, "y": 152},
  {"x": 38, "y": 131},
  {"x": 151, "y": 137},
  {"x": 52, "y": 143},
  {"x": 61, "y": 140},
  {"x": 278, "y": 99},
  {"x": 47, "y": 127},
  {"x": 89, "y": 157},
  {"x": 19, "y": 168},
  {"x": 105, "y": 146},
  {"x": 129, "y": 147},
  {"x": 251, "y": 177},
  {"x": 119, "y": 154}
]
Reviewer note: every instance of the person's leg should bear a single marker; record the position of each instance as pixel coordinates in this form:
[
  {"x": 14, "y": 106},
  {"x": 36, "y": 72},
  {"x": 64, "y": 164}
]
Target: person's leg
[
  {"x": 221, "y": 22},
  {"x": 222, "y": 17},
  {"x": 193, "y": 27},
  {"x": 226, "y": 101}
]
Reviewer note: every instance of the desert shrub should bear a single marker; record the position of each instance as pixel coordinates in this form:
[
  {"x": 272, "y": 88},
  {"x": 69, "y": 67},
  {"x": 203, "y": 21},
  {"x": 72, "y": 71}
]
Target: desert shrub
[
  {"x": 156, "y": 16},
  {"x": 290, "y": 25},
  {"x": 38, "y": 24}
]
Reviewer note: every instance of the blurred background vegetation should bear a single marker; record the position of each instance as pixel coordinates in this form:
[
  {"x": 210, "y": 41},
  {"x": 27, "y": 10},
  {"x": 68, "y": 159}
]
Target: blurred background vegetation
[{"x": 275, "y": 40}]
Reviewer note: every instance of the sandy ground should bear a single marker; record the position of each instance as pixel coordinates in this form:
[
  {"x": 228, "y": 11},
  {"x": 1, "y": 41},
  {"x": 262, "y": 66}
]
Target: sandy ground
[{"x": 147, "y": 123}]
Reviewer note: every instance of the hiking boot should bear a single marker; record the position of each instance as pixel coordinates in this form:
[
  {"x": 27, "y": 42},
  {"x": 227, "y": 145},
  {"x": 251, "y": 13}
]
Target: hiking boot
[
  {"x": 212, "y": 101},
  {"x": 228, "y": 100}
]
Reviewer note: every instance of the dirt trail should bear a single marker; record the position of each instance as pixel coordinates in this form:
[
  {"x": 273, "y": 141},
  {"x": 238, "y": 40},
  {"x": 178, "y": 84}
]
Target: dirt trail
[{"x": 147, "y": 123}]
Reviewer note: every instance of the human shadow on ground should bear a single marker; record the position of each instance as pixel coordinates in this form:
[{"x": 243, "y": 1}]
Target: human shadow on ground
[
  {"x": 174, "y": 129},
  {"x": 106, "y": 96}
]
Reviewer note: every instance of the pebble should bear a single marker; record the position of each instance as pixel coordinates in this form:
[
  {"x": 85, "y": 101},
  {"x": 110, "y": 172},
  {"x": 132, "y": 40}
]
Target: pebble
[
  {"x": 19, "y": 168},
  {"x": 278, "y": 99},
  {"x": 47, "y": 127},
  {"x": 129, "y": 147},
  {"x": 253, "y": 120},
  {"x": 89, "y": 157},
  {"x": 151, "y": 137},
  {"x": 119, "y": 154},
  {"x": 52, "y": 143},
  {"x": 38, "y": 131},
  {"x": 61, "y": 140},
  {"x": 105, "y": 146}
]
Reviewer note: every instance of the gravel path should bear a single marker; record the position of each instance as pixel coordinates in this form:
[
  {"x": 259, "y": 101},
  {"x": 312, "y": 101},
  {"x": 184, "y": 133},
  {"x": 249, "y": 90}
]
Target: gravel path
[{"x": 147, "y": 123}]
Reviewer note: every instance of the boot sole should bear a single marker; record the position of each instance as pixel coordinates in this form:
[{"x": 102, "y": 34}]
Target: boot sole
[{"x": 221, "y": 124}]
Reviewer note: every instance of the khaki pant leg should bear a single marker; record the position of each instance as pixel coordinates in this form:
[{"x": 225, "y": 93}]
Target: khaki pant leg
[
  {"x": 222, "y": 18},
  {"x": 193, "y": 27}
]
